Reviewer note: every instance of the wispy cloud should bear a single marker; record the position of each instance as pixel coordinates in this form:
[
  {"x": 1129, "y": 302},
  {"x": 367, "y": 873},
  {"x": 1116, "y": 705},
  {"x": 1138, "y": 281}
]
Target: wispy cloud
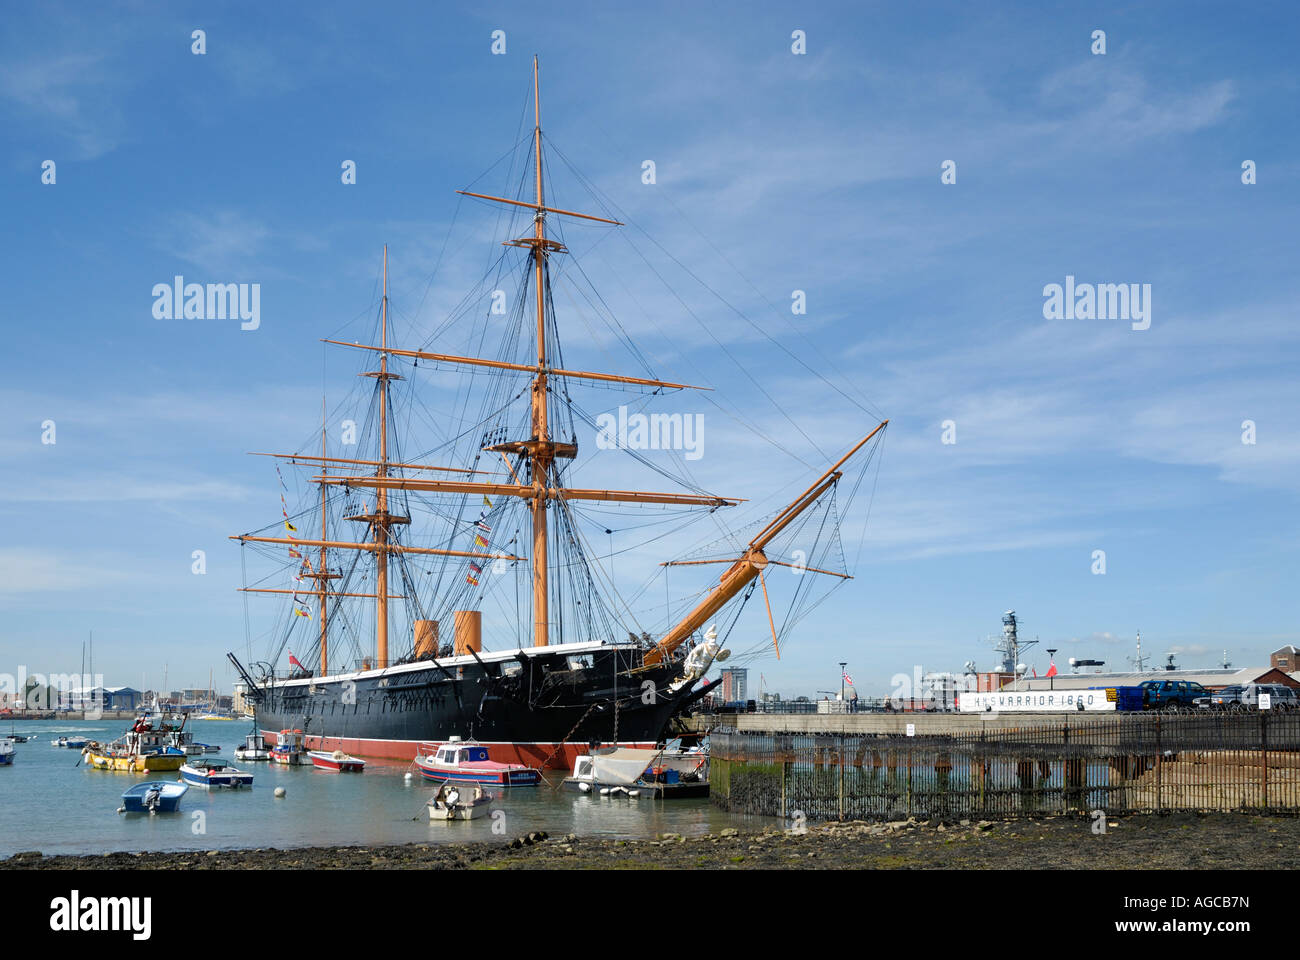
[{"x": 69, "y": 95}]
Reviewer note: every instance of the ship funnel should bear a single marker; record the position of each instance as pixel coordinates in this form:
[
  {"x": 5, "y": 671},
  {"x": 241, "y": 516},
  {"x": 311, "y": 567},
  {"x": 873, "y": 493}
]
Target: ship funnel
[
  {"x": 468, "y": 631},
  {"x": 426, "y": 639}
]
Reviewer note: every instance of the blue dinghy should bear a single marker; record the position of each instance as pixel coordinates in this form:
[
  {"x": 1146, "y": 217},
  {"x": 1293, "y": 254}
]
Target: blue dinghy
[{"x": 156, "y": 796}]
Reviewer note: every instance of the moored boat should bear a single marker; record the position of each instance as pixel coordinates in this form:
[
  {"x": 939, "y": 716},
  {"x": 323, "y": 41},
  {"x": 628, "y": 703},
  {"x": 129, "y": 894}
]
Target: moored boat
[
  {"x": 289, "y": 749},
  {"x": 338, "y": 760},
  {"x": 6, "y": 752},
  {"x": 141, "y": 749},
  {"x": 634, "y": 773},
  {"x": 254, "y": 748},
  {"x": 459, "y": 802},
  {"x": 215, "y": 773},
  {"x": 156, "y": 796},
  {"x": 470, "y": 763},
  {"x": 72, "y": 743}
]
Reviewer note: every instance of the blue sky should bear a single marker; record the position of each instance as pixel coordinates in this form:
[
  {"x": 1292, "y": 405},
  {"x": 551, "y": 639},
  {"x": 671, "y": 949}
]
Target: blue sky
[{"x": 775, "y": 172}]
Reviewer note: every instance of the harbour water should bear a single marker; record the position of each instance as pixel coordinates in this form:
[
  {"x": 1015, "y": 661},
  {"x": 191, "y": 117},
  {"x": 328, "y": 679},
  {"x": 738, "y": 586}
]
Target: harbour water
[{"x": 49, "y": 803}]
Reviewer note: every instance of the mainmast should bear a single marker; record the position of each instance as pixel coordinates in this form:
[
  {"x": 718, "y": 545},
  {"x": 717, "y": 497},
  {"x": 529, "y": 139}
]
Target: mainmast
[
  {"x": 540, "y": 449},
  {"x": 381, "y": 520},
  {"x": 543, "y": 452}
]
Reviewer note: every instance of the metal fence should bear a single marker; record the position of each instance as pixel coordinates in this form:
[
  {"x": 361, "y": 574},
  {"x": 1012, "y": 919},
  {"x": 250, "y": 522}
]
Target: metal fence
[{"x": 1128, "y": 764}]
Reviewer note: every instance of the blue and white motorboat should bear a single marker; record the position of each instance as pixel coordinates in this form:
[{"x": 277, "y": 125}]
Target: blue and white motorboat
[
  {"x": 6, "y": 752},
  {"x": 215, "y": 773},
  {"x": 72, "y": 743},
  {"x": 155, "y": 796}
]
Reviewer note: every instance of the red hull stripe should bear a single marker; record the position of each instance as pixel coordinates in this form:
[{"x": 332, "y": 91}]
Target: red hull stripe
[{"x": 529, "y": 754}]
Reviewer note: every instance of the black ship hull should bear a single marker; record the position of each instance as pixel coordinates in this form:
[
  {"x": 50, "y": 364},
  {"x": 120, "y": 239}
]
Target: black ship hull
[{"x": 538, "y": 708}]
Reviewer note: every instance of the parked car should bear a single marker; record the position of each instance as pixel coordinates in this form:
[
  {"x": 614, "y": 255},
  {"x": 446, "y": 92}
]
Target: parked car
[
  {"x": 1241, "y": 697},
  {"x": 1229, "y": 698},
  {"x": 1282, "y": 697},
  {"x": 1171, "y": 695}
]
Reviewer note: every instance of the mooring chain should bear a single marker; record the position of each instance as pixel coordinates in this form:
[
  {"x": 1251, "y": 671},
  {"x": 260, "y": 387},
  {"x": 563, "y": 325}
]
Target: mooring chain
[{"x": 567, "y": 736}]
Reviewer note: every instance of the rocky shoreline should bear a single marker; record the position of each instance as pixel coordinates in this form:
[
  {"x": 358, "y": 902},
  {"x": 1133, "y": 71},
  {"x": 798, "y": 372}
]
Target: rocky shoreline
[{"x": 1177, "y": 841}]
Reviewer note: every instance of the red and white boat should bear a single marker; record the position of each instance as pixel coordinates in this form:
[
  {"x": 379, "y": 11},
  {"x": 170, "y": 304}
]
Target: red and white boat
[
  {"x": 469, "y": 762},
  {"x": 337, "y": 760}
]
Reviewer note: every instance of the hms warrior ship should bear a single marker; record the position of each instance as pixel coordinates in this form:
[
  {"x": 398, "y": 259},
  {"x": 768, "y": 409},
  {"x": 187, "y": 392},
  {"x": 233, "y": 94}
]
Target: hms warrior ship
[{"x": 438, "y": 537}]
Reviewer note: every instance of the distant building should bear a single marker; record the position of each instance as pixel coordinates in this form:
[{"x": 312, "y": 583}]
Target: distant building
[
  {"x": 1210, "y": 679},
  {"x": 1287, "y": 659},
  {"x": 734, "y": 684},
  {"x": 101, "y": 698}
]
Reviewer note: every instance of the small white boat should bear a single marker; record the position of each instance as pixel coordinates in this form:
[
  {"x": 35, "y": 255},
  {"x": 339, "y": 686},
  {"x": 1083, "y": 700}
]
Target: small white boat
[
  {"x": 72, "y": 743},
  {"x": 254, "y": 748},
  {"x": 215, "y": 773},
  {"x": 626, "y": 772},
  {"x": 6, "y": 752},
  {"x": 459, "y": 801}
]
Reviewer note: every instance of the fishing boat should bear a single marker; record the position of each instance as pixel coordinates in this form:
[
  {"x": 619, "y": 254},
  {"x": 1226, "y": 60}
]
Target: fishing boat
[
  {"x": 289, "y": 749},
  {"x": 6, "y": 752},
  {"x": 215, "y": 773},
  {"x": 496, "y": 536},
  {"x": 459, "y": 802},
  {"x": 470, "y": 763},
  {"x": 156, "y": 796},
  {"x": 254, "y": 748},
  {"x": 141, "y": 749},
  {"x": 337, "y": 760},
  {"x": 636, "y": 773}
]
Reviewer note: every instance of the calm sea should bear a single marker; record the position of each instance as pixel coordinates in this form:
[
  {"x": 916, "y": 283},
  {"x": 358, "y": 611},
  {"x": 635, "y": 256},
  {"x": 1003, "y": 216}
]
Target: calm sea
[{"x": 49, "y": 803}]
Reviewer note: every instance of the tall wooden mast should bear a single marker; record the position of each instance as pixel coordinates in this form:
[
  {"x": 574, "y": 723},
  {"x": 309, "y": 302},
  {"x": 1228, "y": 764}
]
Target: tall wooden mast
[
  {"x": 543, "y": 452},
  {"x": 324, "y": 569},
  {"x": 540, "y": 449}
]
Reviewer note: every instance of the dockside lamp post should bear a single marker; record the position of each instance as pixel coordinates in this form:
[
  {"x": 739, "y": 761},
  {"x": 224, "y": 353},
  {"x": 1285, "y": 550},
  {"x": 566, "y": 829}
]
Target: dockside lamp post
[{"x": 843, "y": 664}]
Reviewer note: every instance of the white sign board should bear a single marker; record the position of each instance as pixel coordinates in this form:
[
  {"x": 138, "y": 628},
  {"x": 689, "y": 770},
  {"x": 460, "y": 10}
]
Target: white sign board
[
  {"x": 911, "y": 729},
  {"x": 1266, "y": 701},
  {"x": 1036, "y": 701}
]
